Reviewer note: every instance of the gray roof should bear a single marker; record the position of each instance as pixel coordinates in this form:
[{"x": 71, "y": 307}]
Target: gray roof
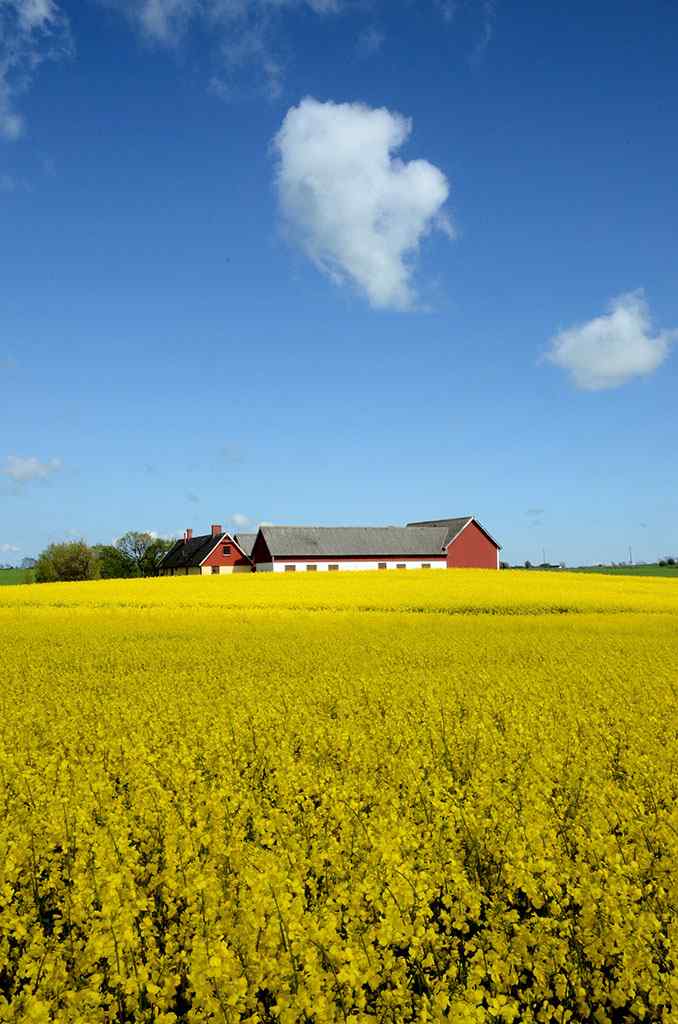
[
  {"x": 348, "y": 541},
  {"x": 455, "y": 526},
  {"x": 245, "y": 541}
]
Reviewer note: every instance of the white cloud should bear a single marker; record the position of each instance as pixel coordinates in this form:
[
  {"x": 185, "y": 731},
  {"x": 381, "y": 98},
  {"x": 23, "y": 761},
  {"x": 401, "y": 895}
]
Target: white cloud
[
  {"x": 489, "y": 16},
  {"x": 242, "y": 30},
  {"x": 34, "y": 13},
  {"x": 250, "y": 47},
  {"x": 24, "y": 468},
  {"x": 240, "y": 520},
  {"x": 357, "y": 210},
  {"x": 609, "y": 350},
  {"x": 31, "y": 31},
  {"x": 9, "y": 549},
  {"x": 163, "y": 19}
]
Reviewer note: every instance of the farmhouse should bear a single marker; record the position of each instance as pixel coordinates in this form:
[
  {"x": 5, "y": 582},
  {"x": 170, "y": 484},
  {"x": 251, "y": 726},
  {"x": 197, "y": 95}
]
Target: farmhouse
[
  {"x": 211, "y": 554},
  {"x": 434, "y": 544}
]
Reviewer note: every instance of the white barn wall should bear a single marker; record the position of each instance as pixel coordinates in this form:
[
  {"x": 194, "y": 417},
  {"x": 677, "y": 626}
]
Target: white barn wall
[{"x": 348, "y": 566}]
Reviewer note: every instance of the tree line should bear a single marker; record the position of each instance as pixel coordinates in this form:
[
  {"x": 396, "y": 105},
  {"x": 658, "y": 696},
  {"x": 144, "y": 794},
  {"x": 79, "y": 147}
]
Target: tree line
[{"x": 134, "y": 554}]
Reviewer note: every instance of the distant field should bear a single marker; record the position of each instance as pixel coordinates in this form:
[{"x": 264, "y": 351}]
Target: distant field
[
  {"x": 8, "y": 577},
  {"x": 631, "y": 570}
]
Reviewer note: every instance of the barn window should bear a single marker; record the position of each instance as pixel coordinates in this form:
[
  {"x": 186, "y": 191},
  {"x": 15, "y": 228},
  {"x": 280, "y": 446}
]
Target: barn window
[
  {"x": 383, "y": 565},
  {"x": 215, "y": 570},
  {"x": 311, "y": 568},
  {"x": 401, "y": 565},
  {"x": 333, "y": 568},
  {"x": 290, "y": 568},
  {"x": 226, "y": 549},
  {"x": 426, "y": 565}
]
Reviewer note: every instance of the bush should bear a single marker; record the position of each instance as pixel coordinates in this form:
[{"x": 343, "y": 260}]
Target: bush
[{"x": 73, "y": 560}]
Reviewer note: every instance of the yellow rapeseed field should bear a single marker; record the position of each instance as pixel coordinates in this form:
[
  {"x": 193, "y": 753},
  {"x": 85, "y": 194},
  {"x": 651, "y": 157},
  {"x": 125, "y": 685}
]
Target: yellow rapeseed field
[{"x": 432, "y": 797}]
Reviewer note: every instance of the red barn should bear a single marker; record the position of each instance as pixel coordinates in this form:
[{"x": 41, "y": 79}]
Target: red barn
[
  {"x": 468, "y": 545},
  {"x": 436, "y": 544}
]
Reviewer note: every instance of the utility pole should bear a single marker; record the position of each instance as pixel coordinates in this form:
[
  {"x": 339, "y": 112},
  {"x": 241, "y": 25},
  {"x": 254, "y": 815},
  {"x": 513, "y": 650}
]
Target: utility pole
[
  {"x": 630, "y": 555},
  {"x": 543, "y": 556}
]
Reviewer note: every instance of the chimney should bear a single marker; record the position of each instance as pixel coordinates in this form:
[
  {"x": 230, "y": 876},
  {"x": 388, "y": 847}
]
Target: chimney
[
  {"x": 188, "y": 535},
  {"x": 216, "y": 529}
]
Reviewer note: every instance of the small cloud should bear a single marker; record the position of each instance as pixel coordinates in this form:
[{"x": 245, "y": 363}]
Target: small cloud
[
  {"x": 251, "y": 47},
  {"x": 532, "y": 512},
  {"x": 9, "y": 549},
  {"x": 219, "y": 88},
  {"x": 609, "y": 350},
  {"x": 448, "y": 9},
  {"x": 244, "y": 31},
  {"x": 193, "y": 498},
  {"x": 240, "y": 520},
  {"x": 489, "y": 16},
  {"x": 370, "y": 42},
  {"x": 22, "y": 469},
  {"x": 359, "y": 212},
  {"x": 159, "y": 21},
  {"x": 31, "y": 32}
]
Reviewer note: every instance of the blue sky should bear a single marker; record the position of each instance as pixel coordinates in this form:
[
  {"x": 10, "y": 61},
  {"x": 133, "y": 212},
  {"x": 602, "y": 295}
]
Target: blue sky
[{"x": 340, "y": 261}]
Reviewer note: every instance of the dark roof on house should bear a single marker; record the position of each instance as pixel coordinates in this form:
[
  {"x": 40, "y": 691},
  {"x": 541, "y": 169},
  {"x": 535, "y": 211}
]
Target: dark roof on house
[
  {"x": 348, "y": 541},
  {"x": 455, "y": 526},
  {"x": 245, "y": 542},
  {"x": 188, "y": 553}
]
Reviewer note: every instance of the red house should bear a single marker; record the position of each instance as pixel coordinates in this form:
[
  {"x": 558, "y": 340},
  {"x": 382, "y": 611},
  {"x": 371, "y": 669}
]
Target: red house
[{"x": 213, "y": 553}]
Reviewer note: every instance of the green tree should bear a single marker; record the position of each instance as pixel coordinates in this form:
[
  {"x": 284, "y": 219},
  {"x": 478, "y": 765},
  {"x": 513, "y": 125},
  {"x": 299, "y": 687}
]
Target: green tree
[
  {"x": 143, "y": 550},
  {"x": 155, "y": 553},
  {"x": 72, "y": 560},
  {"x": 113, "y": 563}
]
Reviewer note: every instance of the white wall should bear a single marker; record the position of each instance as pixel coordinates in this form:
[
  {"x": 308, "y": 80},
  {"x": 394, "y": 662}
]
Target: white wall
[{"x": 441, "y": 563}]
